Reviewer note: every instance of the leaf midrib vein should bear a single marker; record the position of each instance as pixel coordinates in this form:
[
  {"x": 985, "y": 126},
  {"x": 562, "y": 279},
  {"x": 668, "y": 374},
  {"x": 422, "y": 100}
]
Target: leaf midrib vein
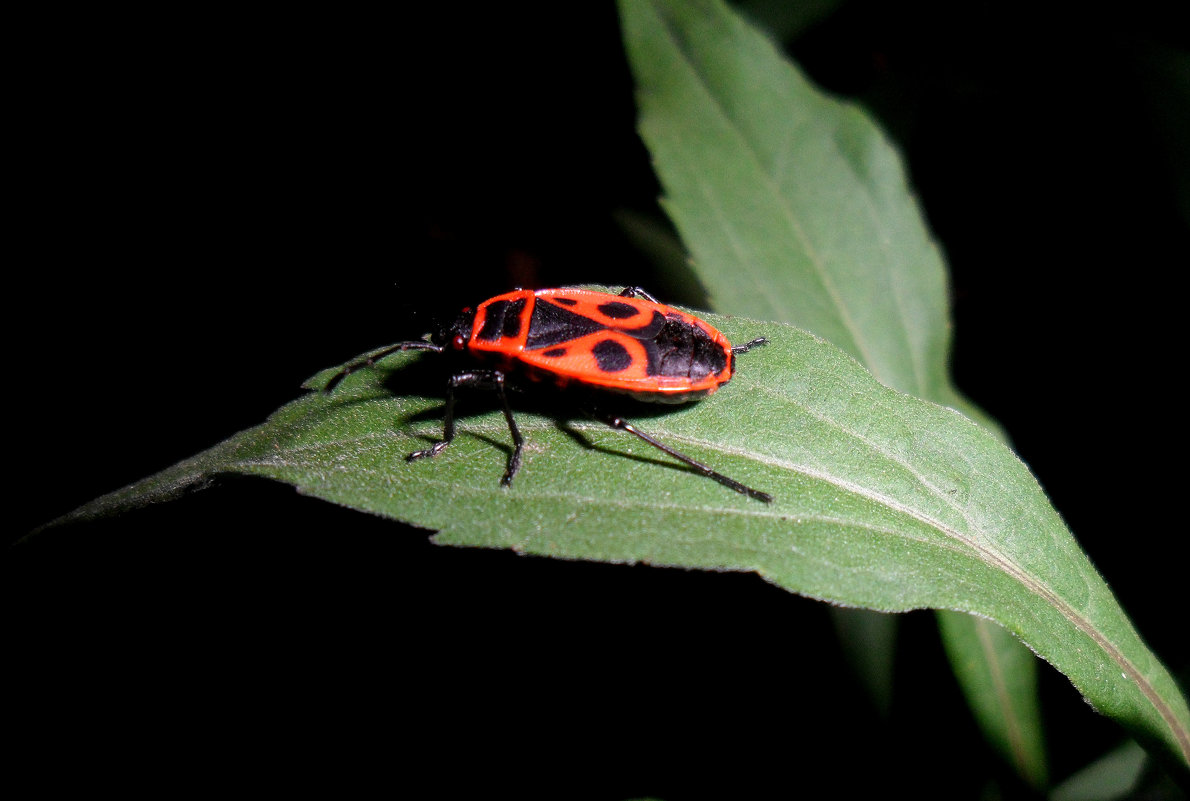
[{"x": 982, "y": 550}]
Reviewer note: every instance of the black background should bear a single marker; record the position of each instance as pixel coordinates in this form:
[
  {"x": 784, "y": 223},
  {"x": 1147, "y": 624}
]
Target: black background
[{"x": 214, "y": 207}]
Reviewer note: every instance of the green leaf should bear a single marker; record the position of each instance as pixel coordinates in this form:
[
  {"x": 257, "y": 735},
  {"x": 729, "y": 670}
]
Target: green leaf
[
  {"x": 806, "y": 217},
  {"x": 882, "y": 500},
  {"x": 795, "y": 207},
  {"x": 1001, "y": 690},
  {"x": 1113, "y": 776}
]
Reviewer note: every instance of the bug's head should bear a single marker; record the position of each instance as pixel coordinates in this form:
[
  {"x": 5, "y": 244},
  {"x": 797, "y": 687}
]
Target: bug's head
[{"x": 455, "y": 335}]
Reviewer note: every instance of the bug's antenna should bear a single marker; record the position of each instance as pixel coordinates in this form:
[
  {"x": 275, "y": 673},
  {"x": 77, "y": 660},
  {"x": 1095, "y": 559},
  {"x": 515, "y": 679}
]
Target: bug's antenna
[{"x": 371, "y": 359}]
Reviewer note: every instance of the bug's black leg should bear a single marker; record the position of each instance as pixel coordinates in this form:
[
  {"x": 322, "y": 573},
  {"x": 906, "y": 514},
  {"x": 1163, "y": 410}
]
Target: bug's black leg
[
  {"x": 371, "y": 358},
  {"x": 518, "y": 442},
  {"x": 448, "y": 426},
  {"x": 484, "y": 379},
  {"x": 747, "y": 346},
  {"x": 624, "y": 425},
  {"x": 637, "y": 292}
]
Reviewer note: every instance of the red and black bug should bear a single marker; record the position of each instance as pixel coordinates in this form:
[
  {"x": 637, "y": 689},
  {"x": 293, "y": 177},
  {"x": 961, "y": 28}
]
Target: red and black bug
[{"x": 576, "y": 338}]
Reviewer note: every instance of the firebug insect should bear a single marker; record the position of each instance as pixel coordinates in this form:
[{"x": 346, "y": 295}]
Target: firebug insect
[{"x": 628, "y": 344}]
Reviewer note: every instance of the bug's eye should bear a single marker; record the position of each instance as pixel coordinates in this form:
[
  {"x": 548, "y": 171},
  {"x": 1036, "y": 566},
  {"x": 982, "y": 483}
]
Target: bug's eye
[{"x": 459, "y": 342}]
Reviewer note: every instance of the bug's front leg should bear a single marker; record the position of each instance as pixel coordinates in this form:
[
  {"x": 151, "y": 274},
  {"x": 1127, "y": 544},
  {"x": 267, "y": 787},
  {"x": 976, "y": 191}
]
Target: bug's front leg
[{"x": 483, "y": 379}]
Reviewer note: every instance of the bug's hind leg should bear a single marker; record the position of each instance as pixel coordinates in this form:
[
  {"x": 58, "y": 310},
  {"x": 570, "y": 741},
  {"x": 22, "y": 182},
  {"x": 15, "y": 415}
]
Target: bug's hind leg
[
  {"x": 483, "y": 379},
  {"x": 731, "y": 483}
]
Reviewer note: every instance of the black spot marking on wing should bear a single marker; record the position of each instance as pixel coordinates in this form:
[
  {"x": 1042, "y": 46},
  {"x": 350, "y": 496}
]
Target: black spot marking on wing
[{"x": 611, "y": 356}]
